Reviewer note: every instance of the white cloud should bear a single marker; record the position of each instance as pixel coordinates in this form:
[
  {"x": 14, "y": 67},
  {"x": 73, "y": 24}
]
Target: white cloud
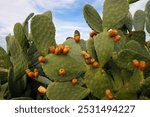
[{"x": 53, "y": 4}]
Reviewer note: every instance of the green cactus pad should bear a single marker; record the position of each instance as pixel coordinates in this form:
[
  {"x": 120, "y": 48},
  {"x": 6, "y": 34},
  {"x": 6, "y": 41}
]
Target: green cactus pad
[
  {"x": 21, "y": 37},
  {"x": 136, "y": 81},
  {"x": 90, "y": 48},
  {"x": 147, "y": 10},
  {"x": 104, "y": 47},
  {"x": 121, "y": 44},
  {"x": 129, "y": 22},
  {"x": 97, "y": 81},
  {"x": 33, "y": 54},
  {"x": 19, "y": 59},
  {"x": 43, "y": 33},
  {"x": 92, "y": 18},
  {"x": 124, "y": 94},
  {"x": 48, "y": 14},
  {"x": 114, "y": 11},
  {"x": 43, "y": 80},
  {"x": 82, "y": 44},
  {"x": 117, "y": 76},
  {"x": 138, "y": 36},
  {"x": 75, "y": 50},
  {"x": 148, "y": 25},
  {"x": 4, "y": 59},
  {"x": 139, "y": 20},
  {"x": 56, "y": 62},
  {"x": 16, "y": 87},
  {"x": 66, "y": 91},
  {"x": 26, "y": 23}
]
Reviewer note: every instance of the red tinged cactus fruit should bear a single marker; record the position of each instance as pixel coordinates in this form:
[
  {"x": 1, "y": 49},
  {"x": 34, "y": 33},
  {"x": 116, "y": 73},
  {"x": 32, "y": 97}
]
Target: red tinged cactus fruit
[
  {"x": 57, "y": 51},
  {"x": 113, "y": 33},
  {"x": 42, "y": 59},
  {"x": 61, "y": 47},
  {"x": 117, "y": 38},
  {"x": 31, "y": 74},
  {"x": 28, "y": 71},
  {"x": 74, "y": 81},
  {"x": 142, "y": 65},
  {"x": 88, "y": 62},
  {"x": 42, "y": 90},
  {"x": 92, "y": 60},
  {"x": 95, "y": 65},
  {"x": 92, "y": 34},
  {"x": 87, "y": 56},
  {"x": 135, "y": 63},
  {"x": 65, "y": 51},
  {"x": 36, "y": 74},
  {"x": 108, "y": 94},
  {"x": 83, "y": 53},
  {"x": 52, "y": 49},
  {"x": 61, "y": 72}
]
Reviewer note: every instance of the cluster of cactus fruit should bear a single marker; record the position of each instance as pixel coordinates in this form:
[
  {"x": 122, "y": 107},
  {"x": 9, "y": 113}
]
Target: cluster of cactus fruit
[{"x": 113, "y": 64}]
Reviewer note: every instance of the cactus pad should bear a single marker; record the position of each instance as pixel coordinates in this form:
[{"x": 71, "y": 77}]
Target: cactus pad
[
  {"x": 114, "y": 11},
  {"x": 43, "y": 33},
  {"x": 92, "y": 18},
  {"x": 56, "y": 62},
  {"x": 66, "y": 91},
  {"x": 104, "y": 47},
  {"x": 139, "y": 20}
]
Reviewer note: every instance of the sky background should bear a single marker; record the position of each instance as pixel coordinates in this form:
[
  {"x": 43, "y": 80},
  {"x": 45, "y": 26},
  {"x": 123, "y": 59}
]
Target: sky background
[{"x": 67, "y": 15}]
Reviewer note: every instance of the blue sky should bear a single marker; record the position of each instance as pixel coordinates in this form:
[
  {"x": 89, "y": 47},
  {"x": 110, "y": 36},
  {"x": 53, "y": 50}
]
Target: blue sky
[{"x": 67, "y": 15}]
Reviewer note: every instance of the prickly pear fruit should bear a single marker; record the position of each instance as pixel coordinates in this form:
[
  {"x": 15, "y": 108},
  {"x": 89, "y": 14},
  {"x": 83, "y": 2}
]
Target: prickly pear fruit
[
  {"x": 95, "y": 65},
  {"x": 52, "y": 49},
  {"x": 113, "y": 33},
  {"x": 117, "y": 38},
  {"x": 92, "y": 34},
  {"x": 142, "y": 65},
  {"x": 74, "y": 81},
  {"x": 41, "y": 89},
  {"x": 62, "y": 72},
  {"x": 41, "y": 59},
  {"x": 135, "y": 63}
]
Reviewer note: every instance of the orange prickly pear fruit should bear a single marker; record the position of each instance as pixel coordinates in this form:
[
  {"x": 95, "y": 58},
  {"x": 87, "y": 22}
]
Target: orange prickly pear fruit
[
  {"x": 136, "y": 63},
  {"x": 41, "y": 89},
  {"x": 74, "y": 81},
  {"x": 77, "y": 38},
  {"x": 142, "y": 65},
  {"x": 61, "y": 47},
  {"x": 52, "y": 49},
  {"x": 31, "y": 74},
  {"x": 92, "y": 60},
  {"x": 88, "y": 62},
  {"x": 36, "y": 74},
  {"x": 67, "y": 46},
  {"x": 62, "y": 72},
  {"x": 83, "y": 53},
  {"x": 113, "y": 33},
  {"x": 92, "y": 34},
  {"x": 95, "y": 65},
  {"x": 57, "y": 51},
  {"x": 41, "y": 59},
  {"x": 108, "y": 94},
  {"x": 87, "y": 56},
  {"x": 117, "y": 38},
  {"x": 28, "y": 71},
  {"x": 35, "y": 70},
  {"x": 65, "y": 51}
]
